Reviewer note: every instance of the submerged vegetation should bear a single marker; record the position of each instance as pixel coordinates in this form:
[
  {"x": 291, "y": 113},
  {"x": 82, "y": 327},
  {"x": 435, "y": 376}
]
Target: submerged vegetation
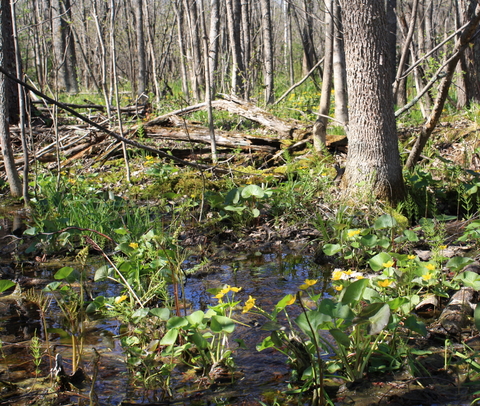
[{"x": 372, "y": 311}]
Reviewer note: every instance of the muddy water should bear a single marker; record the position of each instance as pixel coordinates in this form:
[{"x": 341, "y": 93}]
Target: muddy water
[{"x": 265, "y": 276}]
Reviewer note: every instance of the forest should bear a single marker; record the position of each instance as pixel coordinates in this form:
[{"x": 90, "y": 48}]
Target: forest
[{"x": 239, "y": 202}]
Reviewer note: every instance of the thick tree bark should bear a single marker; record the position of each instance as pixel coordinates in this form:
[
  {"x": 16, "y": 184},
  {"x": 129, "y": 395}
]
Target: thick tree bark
[
  {"x": 373, "y": 160},
  {"x": 391, "y": 6}
]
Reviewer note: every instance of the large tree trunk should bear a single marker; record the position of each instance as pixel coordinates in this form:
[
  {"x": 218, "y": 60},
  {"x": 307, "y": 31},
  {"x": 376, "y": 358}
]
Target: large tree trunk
[
  {"x": 373, "y": 160},
  {"x": 8, "y": 159}
]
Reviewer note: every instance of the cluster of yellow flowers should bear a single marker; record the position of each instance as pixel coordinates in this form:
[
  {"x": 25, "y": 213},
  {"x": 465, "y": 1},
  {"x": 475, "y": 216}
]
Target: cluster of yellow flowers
[
  {"x": 308, "y": 283},
  {"x": 225, "y": 290},
  {"x": 339, "y": 275},
  {"x": 133, "y": 245},
  {"x": 353, "y": 233},
  {"x": 249, "y": 304}
]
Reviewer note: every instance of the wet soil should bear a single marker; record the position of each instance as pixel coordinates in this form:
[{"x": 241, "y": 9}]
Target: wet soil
[{"x": 267, "y": 263}]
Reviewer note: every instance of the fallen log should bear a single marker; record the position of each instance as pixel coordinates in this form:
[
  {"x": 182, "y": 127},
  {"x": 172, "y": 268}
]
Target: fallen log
[
  {"x": 455, "y": 316},
  {"x": 285, "y": 129},
  {"x": 198, "y": 134}
]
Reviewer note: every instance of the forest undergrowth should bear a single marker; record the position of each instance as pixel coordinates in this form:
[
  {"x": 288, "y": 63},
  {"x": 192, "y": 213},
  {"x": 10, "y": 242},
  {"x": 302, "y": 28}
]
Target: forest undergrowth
[{"x": 378, "y": 315}]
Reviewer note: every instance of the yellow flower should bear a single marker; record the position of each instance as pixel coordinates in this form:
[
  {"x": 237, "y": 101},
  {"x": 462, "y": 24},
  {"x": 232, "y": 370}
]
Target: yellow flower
[
  {"x": 353, "y": 233},
  {"x": 388, "y": 264},
  {"x": 133, "y": 245},
  {"x": 219, "y": 296},
  {"x": 412, "y": 257},
  {"x": 427, "y": 276},
  {"x": 338, "y": 288},
  {"x": 337, "y": 275},
  {"x": 308, "y": 283},
  {"x": 292, "y": 300},
  {"x": 359, "y": 276},
  {"x": 120, "y": 299},
  {"x": 248, "y": 304},
  {"x": 236, "y": 290},
  {"x": 149, "y": 158},
  {"x": 442, "y": 247},
  {"x": 349, "y": 272},
  {"x": 385, "y": 283},
  {"x": 430, "y": 267}
]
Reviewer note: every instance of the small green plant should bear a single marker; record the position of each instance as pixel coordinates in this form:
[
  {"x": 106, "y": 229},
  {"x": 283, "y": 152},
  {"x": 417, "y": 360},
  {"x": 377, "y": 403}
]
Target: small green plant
[
  {"x": 362, "y": 319},
  {"x": 72, "y": 303},
  {"x": 240, "y": 204},
  {"x": 36, "y": 352},
  {"x": 205, "y": 335}
]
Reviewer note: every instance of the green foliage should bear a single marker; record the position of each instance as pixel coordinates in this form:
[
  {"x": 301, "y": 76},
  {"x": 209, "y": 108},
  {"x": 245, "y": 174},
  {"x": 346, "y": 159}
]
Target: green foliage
[
  {"x": 240, "y": 205},
  {"x": 147, "y": 265},
  {"x": 82, "y": 204}
]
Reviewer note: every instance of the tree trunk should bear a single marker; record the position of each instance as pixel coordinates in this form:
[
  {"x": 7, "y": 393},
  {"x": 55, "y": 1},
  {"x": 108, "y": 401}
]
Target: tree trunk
[
  {"x": 195, "y": 49},
  {"x": 373, "y": 160},
  {"x": 141, "y": 54},
  {"x": 267, "y": 51},
  {"x": 246, "y": 42},
  {"x": 391, "y": 6},
  {"x": 64, "y": 46},
  {"x": 339, "y": 71},
  {"x": 470, "y": 60},
  {"x": 288, "y": 42},
  {"x": 320, "y": 126},
  {"x": 214, "y": 41},
  {"x": 238, "y": 69},
  {"x": 182, "y": 47},
  {"x": 9, "y": 63},
  {"x": 8, "y": 159}
]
